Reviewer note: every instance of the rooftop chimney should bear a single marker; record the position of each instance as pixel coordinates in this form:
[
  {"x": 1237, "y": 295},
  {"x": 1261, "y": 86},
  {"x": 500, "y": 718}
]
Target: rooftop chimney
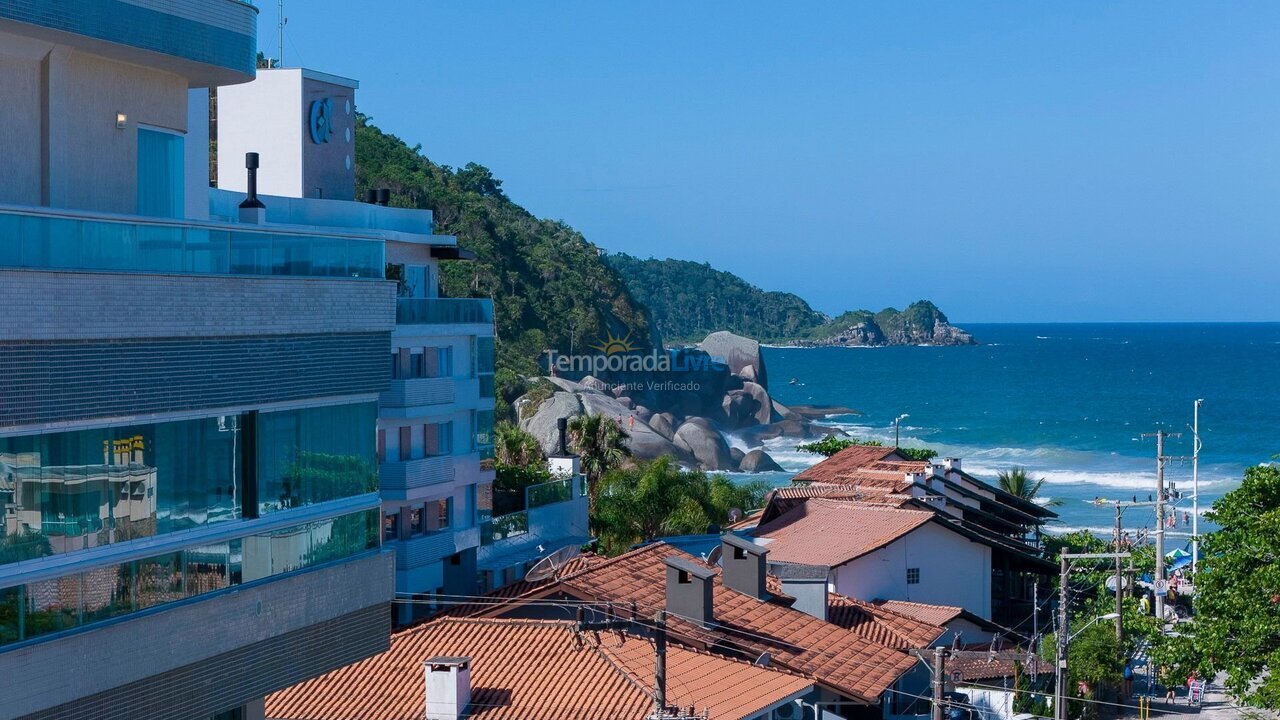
[
  {"x": 371, "y": 196},
  {"x": 564, "y": 463},
  {"x": 744, "y": 565},
  {"x": 384, "y": 196},
  {"x": 252, "y": 210},
  {"x": 689, "y": 590},
  {"x": 953, "y": 464},
  {"x": 807, "y": 584},
  {"x": 448, "y": 687}
]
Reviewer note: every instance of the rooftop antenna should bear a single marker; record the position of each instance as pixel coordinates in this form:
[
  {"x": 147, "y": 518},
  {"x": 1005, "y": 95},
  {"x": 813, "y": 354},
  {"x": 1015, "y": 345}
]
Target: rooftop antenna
[{"x": 281, "y": 21}]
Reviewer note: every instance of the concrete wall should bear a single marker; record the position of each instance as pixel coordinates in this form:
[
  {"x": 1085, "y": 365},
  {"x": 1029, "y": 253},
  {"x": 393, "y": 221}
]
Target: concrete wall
[
  {"x": 197, "y": 155},
  {"x": 92, "y": 163},
  {"x": 263, "y": 117},
  {"x": 21, "y": 116},
  {"x": 136, "y": 650},
  {"x": 953, "y": 571},
  {"x": 328, "y": 169},
  {"x": 54, "y": 305}
]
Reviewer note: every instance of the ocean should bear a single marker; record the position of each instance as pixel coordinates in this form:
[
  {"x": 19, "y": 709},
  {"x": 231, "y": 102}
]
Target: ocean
[{"x": 1070, "y": 402}]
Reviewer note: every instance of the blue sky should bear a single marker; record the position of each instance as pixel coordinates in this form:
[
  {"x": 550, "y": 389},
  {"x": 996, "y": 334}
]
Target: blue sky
[{"x": 1016, "y": 161}]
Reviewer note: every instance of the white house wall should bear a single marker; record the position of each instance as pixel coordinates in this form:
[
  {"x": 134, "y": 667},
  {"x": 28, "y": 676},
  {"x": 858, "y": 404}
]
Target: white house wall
[{"x": 953, "y": 571}]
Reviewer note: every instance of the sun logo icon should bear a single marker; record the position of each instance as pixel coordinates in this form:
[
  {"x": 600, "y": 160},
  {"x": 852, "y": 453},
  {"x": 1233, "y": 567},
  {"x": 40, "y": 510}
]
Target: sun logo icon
[{"x": 613, "y": 345}]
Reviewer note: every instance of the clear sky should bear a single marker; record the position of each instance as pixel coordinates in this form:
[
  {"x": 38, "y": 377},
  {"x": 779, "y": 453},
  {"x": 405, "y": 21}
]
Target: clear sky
[{"x": 1014, "y": 161}]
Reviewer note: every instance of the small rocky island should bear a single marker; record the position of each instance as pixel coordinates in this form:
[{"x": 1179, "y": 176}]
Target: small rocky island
[
  {"x": 922, "y": 323},
  {"x": 713, "y": 390}
]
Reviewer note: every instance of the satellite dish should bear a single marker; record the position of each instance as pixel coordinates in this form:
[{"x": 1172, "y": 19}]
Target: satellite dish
[
  {"x": 713, "y": 557},
  {"x": 547, "y": 567}
]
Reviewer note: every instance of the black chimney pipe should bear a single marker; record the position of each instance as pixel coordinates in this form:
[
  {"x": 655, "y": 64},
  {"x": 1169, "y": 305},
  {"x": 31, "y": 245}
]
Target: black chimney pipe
[
  {"x": 563, "y": 425},
  {"x": 384, "y": 196},
  {"x": 371, "y": 196},
  {"x": 251, "y": 164}
]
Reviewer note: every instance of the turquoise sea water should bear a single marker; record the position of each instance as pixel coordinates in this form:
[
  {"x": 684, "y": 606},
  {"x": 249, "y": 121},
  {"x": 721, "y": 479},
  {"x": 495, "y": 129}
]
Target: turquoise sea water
[{"x": 1068, "y": 401}]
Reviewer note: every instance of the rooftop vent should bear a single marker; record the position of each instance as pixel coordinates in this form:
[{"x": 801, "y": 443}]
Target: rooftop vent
[
  {"x": 689, "y": 587},
  {"x": 744, "y": 564},
  {"x": 448, "y": 687}
]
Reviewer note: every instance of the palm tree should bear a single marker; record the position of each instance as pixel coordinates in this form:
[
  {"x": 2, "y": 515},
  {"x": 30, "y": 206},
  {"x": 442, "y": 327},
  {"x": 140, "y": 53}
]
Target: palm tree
[
  {"x": 657, "y": 498},
  {"x": 513, "y": 446},
  {"x": 601, "y": 443},
  {"x": 1016, "y": 481}
]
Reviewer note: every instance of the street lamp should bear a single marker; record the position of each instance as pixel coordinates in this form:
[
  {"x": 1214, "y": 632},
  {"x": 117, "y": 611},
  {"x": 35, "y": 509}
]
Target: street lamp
[
  {"x": 896, "y": 422},
  {"x": 1108, "y": 616}
]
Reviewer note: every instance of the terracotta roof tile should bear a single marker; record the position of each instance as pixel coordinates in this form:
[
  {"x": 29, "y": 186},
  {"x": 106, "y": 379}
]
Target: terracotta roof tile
[
  {"x": 851, "y": 458},
  {"x": 975, "y": 665},
  {"x": 847, "y": 530},
  {"x": 932, "y": 614},
  {"x": 879, "y": 624},
  {"x": 836, "y": 657},
  {"x": 534, "y": 670}
]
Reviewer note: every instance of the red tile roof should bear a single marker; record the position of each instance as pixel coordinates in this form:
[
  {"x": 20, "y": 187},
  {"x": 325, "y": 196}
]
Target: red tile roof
[
  {"x": 534, "y": 670},
  {"x": 854, "y": 457},
  {"x": 837, "y": 658},
  {"x": 933, "y": 614},
  {"x": 974, "y": 665},
  {"x": 880, "y": 624},
  {"x": 833, "y": 532}
]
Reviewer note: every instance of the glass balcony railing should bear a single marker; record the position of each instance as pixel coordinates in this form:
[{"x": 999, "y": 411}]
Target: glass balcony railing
[
  {"x": 547, "y": 493},
  {"x": 50, "y": 240},
  {"x": 503, "y": 527},
  {"x": 486, "y": 386},
  {"x": 443, "y": 311}
]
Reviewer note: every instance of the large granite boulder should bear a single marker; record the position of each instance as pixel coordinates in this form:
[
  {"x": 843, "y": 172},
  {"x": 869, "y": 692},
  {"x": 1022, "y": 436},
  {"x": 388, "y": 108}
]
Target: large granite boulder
[
  {"x": 739, "y": 409},
  {"x": 764, "y": 410},
  {"x": 664, "y": 424},
  {"x": 736, "y": 454},
  {"x": 758, "y": 461},
  {"x": 697, "y": 437},
  {"x": 645, "y": 444},
  {"x": 738, "y": 353}
]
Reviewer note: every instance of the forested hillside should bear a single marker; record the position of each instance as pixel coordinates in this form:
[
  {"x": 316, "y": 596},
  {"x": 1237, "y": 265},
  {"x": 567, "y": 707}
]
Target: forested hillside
[
  {"x": 548, "y": 283},
  {"x": 689, "y": 300}
]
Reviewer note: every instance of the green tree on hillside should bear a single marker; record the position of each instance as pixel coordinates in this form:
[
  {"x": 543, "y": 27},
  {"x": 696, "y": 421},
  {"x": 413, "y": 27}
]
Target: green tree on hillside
[{"x": 548, "y": 283}]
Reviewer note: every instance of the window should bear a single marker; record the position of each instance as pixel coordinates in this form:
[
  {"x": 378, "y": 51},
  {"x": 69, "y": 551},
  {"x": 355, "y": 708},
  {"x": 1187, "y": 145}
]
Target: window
[
  {"x": 160, "y": 176},
  {"x": 444, "y": 510},
  {"x": 73, "y": 490},
  {"x": 391, "y": 526},
  {"x": 415, "y": 521},
  {"x": 913, "y": 576},
  {"x": 315, "y": 455}
]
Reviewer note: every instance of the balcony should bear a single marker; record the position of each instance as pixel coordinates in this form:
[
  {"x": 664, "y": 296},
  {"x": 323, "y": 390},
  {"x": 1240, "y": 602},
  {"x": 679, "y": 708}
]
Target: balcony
[
  {"x": 444, "y": 311},
  {"x": 55, "y": 240},
  {"x": 419, "y": 391},
  {"x": 396, "y": 479},
  {"x": 209, "y": 42},
  {"x": 424, "y": 550}
]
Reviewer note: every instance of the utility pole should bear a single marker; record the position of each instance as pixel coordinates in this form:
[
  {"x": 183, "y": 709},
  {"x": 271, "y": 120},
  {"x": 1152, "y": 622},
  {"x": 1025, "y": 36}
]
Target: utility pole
[
  {"x": 1064, "y": 626},
  {"x": 1035, "y": 625},
  {"x": 660, "y": 664},
  {"x": 1060, "y": 646},
  {"x": 1161, "y": 459},
  {"x": 1195, "y": 492},
  {"x": 939, "y": 678},
  {"x": 1119, "y": 581}
]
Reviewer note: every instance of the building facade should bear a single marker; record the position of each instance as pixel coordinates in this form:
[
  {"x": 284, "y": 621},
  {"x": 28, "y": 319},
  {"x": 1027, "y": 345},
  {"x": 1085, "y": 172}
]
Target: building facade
[{"x": 189, "y": 507}]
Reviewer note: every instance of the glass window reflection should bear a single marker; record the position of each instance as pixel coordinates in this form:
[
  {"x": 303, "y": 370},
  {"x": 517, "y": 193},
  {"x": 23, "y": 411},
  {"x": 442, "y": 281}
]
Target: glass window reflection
[
  {"x": 316, "y": 454},
  {"x": 76, "y": 490}
]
